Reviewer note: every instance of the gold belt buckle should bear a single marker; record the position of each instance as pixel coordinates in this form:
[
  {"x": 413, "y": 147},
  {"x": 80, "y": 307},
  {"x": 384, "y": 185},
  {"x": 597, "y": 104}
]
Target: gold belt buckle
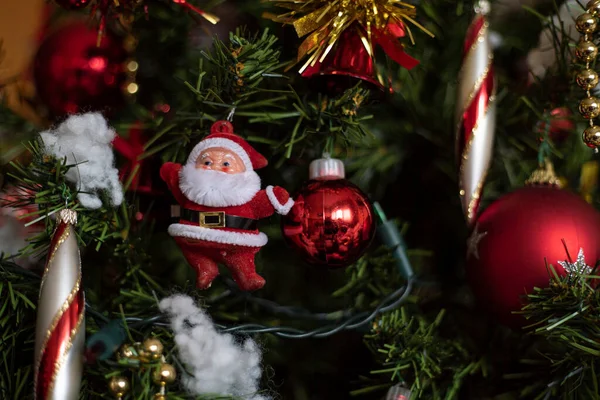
[{"x": 214, "y": 219}]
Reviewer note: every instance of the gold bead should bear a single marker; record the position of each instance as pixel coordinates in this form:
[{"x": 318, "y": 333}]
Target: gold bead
[
  {"x": 159, "y": 396},
  {"x": 586, "y": 51},
  {"x": 132, "y": 88},
  {"x": 586, "y": 23},
  {"x": 591, "y": 136},
  {"x": 118, "y": 385},
  {"x": 587, "y": 79},
  {"x": 589, "y": 107},
  {"x": 127, "y": 351},
  {"x": 133, "y": 65},
  {"x": 593, "y": 7},
  {"x": 164, "y": 374},
  {"x": 153, "y": 348}
]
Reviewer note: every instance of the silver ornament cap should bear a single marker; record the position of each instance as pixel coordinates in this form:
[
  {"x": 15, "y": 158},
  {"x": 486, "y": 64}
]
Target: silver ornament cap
[
  {"x": 326, "y": 168},
  {"x": 398, "y": 392}
]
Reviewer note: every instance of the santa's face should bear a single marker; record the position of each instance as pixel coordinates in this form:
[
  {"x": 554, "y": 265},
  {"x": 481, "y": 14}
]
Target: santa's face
[
  {"x": 220, "y": 159},
  {"x": 218, "y": 178}
]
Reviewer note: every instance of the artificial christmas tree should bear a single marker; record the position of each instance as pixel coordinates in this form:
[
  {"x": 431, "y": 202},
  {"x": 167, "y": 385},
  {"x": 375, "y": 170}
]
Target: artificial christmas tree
[{"x": 420, "y": 307}]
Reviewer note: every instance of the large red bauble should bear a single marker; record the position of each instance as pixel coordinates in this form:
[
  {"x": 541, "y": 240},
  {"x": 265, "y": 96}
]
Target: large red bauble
[
  {"x": 331, "y": 223},
  {"x": 515, "y": 237},
  {"x": 74, "y": 75}
]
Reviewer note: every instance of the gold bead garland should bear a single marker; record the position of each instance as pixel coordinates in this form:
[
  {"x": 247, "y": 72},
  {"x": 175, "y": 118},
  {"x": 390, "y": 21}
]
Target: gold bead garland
[
  {"x": 587, "y": 79},
  {"x": 147, "y": 354},
  {"x": 119, "y": 386}
]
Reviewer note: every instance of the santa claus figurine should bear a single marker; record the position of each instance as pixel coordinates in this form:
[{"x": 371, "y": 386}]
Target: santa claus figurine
[{"x": 221, "y": 203}]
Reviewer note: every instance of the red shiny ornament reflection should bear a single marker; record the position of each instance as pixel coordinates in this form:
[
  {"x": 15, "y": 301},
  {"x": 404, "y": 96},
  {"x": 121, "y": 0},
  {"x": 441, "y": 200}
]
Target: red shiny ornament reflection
[
  {"x": 73, "y": 4},
  {"x": 72, "y": 74},
  {"x": 331, "y": 224},
  {"x": 516, "y": 235}
]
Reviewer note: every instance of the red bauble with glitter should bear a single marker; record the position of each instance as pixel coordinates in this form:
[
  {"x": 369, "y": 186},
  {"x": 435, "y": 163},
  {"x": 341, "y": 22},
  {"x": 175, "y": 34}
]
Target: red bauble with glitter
[
  {"x": 332, "y": 222},
  {"x": 74, "y": 75},
  {"x": 517, "y": 235},
  {"x": 72, "y": 4}
]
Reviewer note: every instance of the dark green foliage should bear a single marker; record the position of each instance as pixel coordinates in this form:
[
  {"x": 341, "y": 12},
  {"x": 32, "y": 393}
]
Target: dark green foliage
[
  {"x": 243, "y": 79},
  {"x": 566, "y": 361},
  {"x": 412, "y": 351},
  {"x": 18, "y": 297}
]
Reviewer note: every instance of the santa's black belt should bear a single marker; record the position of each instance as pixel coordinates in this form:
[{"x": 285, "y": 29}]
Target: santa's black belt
[{"x": 218, "y": 219}]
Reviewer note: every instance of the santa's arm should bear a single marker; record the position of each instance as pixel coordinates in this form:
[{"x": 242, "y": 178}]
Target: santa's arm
[
  {"x": 169, "y": 172},
  {"x": 271, "y": 200},
  {"x": 280, "y": 199}
]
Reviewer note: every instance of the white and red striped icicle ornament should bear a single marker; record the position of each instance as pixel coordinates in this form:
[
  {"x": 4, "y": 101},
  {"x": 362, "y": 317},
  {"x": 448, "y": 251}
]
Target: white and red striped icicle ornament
[
  {"x": 475, "y": 112},
  {"x": 60, "y": 328}
]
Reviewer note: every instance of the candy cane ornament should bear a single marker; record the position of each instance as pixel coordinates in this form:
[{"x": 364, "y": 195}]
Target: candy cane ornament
[
  {"x": 60, "y": 328},
  {"x": 475, "y": 112}
]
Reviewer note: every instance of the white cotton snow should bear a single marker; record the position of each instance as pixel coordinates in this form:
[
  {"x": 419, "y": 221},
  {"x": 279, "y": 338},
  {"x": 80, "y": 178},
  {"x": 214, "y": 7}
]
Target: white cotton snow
[
  {"x": 219, "y": 364},
  {"x": 85, "y": 140},
  {"x": 544, "y": 56}
]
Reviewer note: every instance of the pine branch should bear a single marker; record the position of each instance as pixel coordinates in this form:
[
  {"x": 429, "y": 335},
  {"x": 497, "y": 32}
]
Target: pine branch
[
  {"x": 18, "y": 295},
  {"x": 564, "y": 317},
  {"x": 43, "y": 184},
  {"x": 412, "y": 351},
  {"x": 244, "y": 79}
]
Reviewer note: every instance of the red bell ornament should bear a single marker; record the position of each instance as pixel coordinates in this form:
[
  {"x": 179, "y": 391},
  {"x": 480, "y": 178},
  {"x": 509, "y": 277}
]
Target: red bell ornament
[
  {"x": 517, "y": 235},
  {"x": 332, "y": 222},
  {"x": 73, "y": 74},
  {"x": 349, "y": 61}
]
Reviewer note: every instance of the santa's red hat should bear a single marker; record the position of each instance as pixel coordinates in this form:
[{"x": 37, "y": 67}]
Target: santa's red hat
[{"x": 221, "y": 135}]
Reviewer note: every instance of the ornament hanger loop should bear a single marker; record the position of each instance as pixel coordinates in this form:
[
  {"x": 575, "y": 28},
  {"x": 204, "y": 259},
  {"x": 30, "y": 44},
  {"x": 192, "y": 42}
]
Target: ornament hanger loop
[
  {"x": 221, "y": 127},
  {"x": 65, "y": 194},
  {"x": 230, "y": 116}
]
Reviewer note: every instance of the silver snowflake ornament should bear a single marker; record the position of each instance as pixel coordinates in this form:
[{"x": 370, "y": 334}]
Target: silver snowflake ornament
[
  {"x": 473, "y": 242},
  {"x": 577, "y": 267}
]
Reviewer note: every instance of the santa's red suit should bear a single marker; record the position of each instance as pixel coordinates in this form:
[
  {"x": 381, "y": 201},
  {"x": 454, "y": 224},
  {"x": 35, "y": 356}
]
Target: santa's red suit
[{"x": 204, "y": 233}]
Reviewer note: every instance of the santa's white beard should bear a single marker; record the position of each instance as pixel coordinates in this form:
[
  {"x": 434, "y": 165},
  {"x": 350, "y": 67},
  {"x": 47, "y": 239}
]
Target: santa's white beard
[{"x": 218, "y": 189}]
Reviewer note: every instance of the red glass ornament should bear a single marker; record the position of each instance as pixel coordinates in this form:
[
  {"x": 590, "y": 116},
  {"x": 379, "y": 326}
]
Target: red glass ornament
[
  {"x": 72, "y": 74},
  {"x": 331, "y": 223},
  {"x": 515, "y": 237},
  {"x": 73, "y": 4},
  {"x": 561, "y": 124}
]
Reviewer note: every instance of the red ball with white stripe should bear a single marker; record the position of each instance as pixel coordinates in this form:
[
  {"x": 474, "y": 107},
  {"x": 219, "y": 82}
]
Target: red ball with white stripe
[
  {"x": 475, "y": 112},
  {"x": 221, "y": 201}
]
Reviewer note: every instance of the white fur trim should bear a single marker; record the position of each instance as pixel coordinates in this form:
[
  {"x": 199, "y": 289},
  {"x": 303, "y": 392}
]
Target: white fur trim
[
  {"x": 217, "y": 235},
  {"x": 216, "y": 188},
  {"x": 282, "y": 209},
  {"x": 220, "y": 142}
]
